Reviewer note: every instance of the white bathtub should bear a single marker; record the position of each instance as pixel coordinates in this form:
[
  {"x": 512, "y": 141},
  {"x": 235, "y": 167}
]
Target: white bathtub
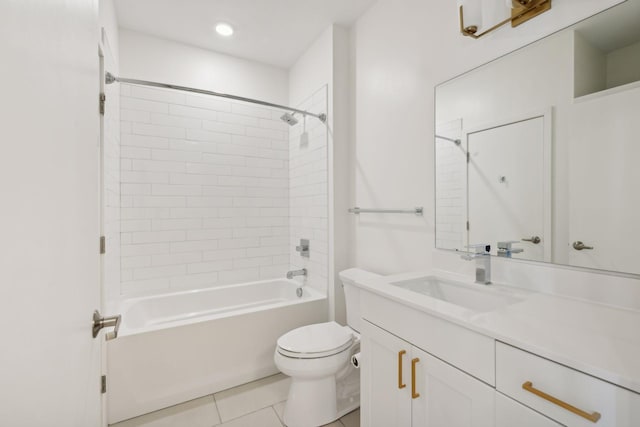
[{"x": 176, "y": 347}]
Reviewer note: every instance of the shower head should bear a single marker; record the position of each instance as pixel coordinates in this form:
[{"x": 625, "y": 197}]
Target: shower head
[{"x": 289, "y": 119}]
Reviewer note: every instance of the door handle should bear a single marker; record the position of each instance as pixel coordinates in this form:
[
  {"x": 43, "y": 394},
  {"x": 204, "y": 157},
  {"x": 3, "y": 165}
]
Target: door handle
[
  {"x": 593, "y": 417},
  {"x": 100, "y": 322},
  {"x": 533, "y": 239},
  {"x": 579, "y": 246},
  {"x": 414, "y": 394},
  {"x": 400, "y": 354}
]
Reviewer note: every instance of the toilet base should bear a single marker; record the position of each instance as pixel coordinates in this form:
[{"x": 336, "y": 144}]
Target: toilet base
[
  {"x": 299, "y": 413},
  {"x": 331, "y": 401}
]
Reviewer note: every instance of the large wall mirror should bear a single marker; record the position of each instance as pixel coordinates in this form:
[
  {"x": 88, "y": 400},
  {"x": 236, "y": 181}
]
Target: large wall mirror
[{"x": 538, "y": 152}]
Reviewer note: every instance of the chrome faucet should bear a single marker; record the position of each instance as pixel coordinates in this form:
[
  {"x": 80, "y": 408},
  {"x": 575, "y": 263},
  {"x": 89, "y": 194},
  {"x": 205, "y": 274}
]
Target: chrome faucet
[
  {"x": 293, "y": 273},
  {"x": 482, "y": 256},
  {"x": 506, "y": 249}
]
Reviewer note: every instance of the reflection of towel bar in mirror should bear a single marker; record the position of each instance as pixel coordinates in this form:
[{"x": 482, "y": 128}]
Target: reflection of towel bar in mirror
[{"x": 418, "y": 211}]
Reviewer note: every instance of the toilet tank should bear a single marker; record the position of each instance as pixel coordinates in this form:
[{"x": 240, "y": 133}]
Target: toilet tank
[{"x": 352, "y": 294}]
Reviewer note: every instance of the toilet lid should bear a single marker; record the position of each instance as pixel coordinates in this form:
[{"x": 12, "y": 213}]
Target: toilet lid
[{"x": 313, "y": 341}]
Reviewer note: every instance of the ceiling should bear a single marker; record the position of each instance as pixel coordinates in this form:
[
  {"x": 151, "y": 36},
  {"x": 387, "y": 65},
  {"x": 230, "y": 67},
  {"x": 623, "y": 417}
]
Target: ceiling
[{"x": 274, "y": 32}]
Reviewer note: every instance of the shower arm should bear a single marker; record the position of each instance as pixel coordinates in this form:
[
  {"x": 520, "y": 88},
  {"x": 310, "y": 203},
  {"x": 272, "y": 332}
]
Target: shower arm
[
  {"x": 455, "y": 141},
  {"x": 110, "y": 78}
]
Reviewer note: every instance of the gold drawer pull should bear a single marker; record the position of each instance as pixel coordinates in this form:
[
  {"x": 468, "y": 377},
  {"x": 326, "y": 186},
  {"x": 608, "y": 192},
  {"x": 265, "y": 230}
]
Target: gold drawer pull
[
  {"x": 400, "y": 354},
  {"x": 414, "y": 395},
  {"x": 594, "y": 417}
]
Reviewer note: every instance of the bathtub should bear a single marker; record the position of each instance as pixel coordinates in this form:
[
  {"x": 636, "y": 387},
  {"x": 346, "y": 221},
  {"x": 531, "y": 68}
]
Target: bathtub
[{"x": 177, "y": 347}]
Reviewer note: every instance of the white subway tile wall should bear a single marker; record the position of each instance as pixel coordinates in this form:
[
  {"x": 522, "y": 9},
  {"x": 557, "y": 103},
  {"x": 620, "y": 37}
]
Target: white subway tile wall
[
  {"x": 451, "y": 188},
  {"x": 111, "y": 193},
  {"x": 205, "y": 191},
  {"x": 308, "y": 186}
]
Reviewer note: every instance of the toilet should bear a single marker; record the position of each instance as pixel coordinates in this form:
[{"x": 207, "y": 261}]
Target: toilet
[{"x": 324, "y": 384}]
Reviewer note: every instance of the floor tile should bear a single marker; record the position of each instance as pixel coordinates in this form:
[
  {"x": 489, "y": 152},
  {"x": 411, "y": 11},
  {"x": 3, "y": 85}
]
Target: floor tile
[
  {"x": 195, "y": 413},
  {"x": 250, "y": 397},
  {"x": 279, "y": 408},
  {"x": 263, "y": 418},
  {"x": 352, "y": 419}
]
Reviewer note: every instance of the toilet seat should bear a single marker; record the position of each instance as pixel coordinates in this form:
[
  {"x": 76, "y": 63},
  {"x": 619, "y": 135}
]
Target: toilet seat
[{"x": 315, "y": 341}]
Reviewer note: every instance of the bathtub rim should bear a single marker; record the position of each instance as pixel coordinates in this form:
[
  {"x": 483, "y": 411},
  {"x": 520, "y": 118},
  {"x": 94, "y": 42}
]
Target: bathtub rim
[{"x": 122, "y": 306}]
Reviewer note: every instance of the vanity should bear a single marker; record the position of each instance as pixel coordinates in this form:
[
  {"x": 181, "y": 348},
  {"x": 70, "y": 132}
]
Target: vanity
[
  {"x": 536, "y": 159},
  {"x": 538, "y": 149},
  {"x": 441, "y": 352}
]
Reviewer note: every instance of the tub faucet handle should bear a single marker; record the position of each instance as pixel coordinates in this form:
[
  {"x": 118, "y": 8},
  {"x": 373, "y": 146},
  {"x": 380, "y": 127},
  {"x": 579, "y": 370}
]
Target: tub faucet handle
[{"x": 303, "y": 248}]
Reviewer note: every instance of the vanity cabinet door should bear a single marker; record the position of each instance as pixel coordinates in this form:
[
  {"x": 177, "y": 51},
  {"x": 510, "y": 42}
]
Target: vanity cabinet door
[
  {"x": 447, "y": 397},
  {"x": 510, "y": 413},
  {"x": 385, "y": 398}
]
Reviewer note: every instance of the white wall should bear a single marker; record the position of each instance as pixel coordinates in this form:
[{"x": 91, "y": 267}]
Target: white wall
[
  {"x": 108, "y": 21},
  {"x": 394, "y": 73},
  {"x": 151, "y": 58},
  {"x": 623, "y": 65}
]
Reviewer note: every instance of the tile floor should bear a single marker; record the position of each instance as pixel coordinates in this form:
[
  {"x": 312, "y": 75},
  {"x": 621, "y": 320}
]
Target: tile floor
[{"x": 257, "y": 404}]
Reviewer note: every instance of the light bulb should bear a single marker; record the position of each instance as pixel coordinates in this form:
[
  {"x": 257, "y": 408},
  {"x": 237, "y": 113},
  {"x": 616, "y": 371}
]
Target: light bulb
[{"x": 224, "y": 29}]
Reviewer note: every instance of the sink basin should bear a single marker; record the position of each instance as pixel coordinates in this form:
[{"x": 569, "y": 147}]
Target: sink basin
[{"x": 473, "y": 297}]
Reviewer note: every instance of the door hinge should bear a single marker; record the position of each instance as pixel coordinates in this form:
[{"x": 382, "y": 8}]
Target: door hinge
[
  {"x": 103, "y": 99},
  {"x": 103, "y": 384},
  {"x": 468, "y": 157},
  {"x": 468, "y": 226},
  {"x": 103, "y": 245}
]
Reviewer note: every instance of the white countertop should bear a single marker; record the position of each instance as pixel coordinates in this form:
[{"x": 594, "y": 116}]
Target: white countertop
[{"x": 599, "y": 340}]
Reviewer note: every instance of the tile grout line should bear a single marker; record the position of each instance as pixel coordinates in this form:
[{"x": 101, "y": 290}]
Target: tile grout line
[
  {"x": 215, "y": 402},
  {"x": 277, "y": 416},
  {"x": 249, "y": 413}
]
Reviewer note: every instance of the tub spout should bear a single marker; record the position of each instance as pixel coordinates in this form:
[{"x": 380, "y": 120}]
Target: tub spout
[{"x": 293, "y": 273}]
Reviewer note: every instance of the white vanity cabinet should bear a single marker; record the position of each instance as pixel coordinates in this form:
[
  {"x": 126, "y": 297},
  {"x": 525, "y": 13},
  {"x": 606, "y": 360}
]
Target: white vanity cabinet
[
  {"x": 510, "y": 413},
  {"x": 566, "y": 395},
  {"x": 404, "y": 386},
  {"x": 422, "y": 369}
]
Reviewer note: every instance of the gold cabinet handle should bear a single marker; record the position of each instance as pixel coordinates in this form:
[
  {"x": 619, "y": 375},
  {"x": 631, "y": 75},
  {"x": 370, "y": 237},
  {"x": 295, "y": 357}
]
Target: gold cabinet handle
[
  {"x": 400, "y": 354},
  {"x": 593, "y": 417},
  {"x": 414, "y": 394}
]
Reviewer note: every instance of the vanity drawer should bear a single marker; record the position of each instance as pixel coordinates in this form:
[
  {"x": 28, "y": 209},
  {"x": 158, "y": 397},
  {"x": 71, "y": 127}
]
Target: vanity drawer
[{"x": 558, "y": 391}]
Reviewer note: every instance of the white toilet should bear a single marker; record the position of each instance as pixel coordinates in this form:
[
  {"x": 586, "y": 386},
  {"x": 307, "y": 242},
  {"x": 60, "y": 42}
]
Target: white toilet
[{"x": 324, "y": 384}]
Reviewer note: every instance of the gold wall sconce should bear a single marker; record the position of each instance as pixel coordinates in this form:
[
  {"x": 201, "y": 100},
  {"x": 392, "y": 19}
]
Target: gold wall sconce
[{"x": 521, "y": 12}]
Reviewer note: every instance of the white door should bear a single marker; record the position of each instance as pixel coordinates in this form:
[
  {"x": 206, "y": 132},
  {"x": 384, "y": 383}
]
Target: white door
[
  {"x": 49, "y": 199},
  {"x": 385, "y": 398},
  {"x": 603, "y": 182},
  {"x": 447, "y": 397},
  {"x": 506, "y": 185}
]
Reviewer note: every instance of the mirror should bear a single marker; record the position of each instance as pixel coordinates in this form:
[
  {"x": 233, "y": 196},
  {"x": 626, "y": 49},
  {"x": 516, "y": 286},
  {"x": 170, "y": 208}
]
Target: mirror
[{"x": 538, "y": 152}]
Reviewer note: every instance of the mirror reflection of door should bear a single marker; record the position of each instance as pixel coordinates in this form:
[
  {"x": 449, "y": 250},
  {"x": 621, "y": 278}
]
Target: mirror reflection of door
[
  {"x": 603, "y": 180},
  {"x": 506, "y": 188}
]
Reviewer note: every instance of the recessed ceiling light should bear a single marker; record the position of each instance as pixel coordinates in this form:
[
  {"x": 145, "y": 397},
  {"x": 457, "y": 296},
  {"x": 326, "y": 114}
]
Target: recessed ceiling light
[{"x": 224, "y": 29}]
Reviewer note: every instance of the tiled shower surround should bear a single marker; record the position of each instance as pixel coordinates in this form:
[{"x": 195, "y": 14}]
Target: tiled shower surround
[{"x": 205, "y": 192}]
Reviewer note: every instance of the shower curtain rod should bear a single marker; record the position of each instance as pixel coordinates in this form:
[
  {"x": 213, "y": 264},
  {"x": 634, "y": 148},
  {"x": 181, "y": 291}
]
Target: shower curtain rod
[{"x": 110, "y": 78}]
